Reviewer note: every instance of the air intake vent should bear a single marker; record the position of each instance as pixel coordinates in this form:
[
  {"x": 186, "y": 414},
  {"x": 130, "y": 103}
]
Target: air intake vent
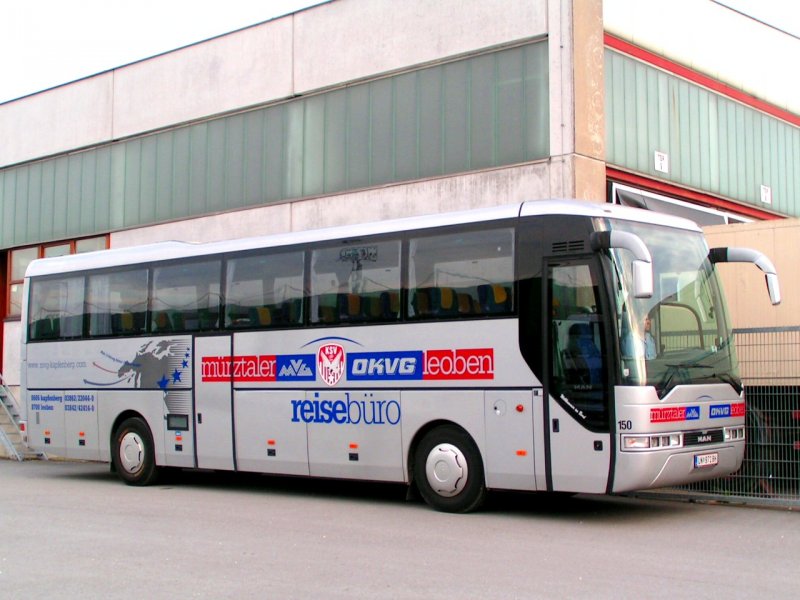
[{"x": 568, "y": 247}]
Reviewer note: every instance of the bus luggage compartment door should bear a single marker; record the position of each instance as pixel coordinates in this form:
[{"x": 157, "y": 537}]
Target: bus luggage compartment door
[
  {"x": 270, "y": 436},
  {"x": 353, "y": 434},
  {"x": 46, "y": 422},
  {"x": 510, "y": 440}
]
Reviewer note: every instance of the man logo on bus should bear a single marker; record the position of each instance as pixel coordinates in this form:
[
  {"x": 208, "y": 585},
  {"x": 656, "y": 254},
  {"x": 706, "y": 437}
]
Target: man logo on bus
[{"x": 331, "y": 364}]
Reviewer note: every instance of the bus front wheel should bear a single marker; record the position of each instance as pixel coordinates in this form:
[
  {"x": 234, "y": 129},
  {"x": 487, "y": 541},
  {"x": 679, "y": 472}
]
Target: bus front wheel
[
  {"x": 448, "y": 470},
  {"x": 133, "y": 453}
]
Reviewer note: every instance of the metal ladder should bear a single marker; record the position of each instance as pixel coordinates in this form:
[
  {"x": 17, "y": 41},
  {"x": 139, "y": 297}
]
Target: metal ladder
[{"x": 10, "y": 434}]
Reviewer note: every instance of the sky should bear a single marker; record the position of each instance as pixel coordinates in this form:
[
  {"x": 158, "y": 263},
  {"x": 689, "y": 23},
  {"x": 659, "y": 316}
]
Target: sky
[{"x": 45, "y": 43}]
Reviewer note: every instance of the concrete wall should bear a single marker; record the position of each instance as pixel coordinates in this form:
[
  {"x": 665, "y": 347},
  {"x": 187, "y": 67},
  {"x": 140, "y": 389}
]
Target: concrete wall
[
  {"x": 72, "y": 116},
  {"x": 351, "y": 39},
  {"x": 476, "y": 190},
  {"x": 577, "y": 117},
  {"x": 327, "y": 45},
  {"x": 713, "y": 40},
  {"x": 322, "y": 46}
]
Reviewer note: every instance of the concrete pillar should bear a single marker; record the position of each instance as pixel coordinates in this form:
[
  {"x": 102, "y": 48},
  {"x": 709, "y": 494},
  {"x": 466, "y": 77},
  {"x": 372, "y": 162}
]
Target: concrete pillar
[{"x": 577, "y": 119}]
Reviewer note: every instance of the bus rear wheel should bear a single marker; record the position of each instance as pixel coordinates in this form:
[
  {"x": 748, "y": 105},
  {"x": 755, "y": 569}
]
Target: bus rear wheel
[
  {"x": 133, "y": 453},
  {"x": 448, "y": 470}
]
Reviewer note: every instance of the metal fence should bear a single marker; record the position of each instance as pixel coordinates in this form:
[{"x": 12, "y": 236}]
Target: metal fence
[{"x": 769, "y": 359}]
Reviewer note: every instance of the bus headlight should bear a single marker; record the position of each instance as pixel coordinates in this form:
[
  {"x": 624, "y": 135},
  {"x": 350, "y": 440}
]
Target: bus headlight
[
  {"x": 652, "y": 442},
  {"x": 734, "y": 434}
]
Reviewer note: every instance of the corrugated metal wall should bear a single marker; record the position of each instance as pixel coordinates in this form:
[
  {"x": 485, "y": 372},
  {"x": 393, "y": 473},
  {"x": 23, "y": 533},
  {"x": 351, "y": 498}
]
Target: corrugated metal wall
[
  {"x": 480, "y": 112},
  {"x": 714, "y": 144}
]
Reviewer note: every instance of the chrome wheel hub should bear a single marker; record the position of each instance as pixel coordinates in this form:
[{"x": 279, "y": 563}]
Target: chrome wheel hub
[
  {"x": 446, "y": 470},
  {"x": 131, "y": 452}
]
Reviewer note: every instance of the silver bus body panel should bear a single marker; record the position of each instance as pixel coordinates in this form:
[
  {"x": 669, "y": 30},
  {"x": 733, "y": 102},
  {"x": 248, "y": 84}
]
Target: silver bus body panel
[
  {"x": 695, "y": 408},
  {"x": 263, "y": 422},
  {"x": 257, "y": 417},
  {"x": 579, "y": 458},
  {"x": 213, "y": 408}
]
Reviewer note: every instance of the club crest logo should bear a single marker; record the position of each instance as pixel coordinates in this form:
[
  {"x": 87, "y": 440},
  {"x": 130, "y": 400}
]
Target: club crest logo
[{"x": 331, "y": 363}]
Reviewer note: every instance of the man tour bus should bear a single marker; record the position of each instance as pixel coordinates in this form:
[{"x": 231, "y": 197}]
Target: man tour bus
[{"x": 548, "y": 346}]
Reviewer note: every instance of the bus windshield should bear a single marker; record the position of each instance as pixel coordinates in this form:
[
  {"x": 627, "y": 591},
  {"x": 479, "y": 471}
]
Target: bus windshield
[{"x": 681, "y": 335}]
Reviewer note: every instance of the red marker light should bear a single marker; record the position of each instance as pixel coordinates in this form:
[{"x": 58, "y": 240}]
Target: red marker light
[
  {"x": 522, "y": 453},
  {"x": 520, "y": 408}
]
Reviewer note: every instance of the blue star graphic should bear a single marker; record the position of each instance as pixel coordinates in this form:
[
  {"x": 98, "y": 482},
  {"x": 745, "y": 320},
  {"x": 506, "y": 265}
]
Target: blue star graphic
[
  {"x": 163, "y": 382},
  {"x": 176, "y": 376},
  {"x": 185, "y": 364}
]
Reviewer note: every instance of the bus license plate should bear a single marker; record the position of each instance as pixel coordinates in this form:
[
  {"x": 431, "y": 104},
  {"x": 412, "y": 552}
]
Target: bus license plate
[{"x": 705, "y": 460}]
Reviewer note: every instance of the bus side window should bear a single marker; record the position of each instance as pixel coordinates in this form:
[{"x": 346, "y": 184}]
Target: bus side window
[
  {"x": 56, "y": 309},
  {"x": 356, "y": 282},
  {"x": 264, "y": 290},
  {"x": 462, "y": 274},
  {"x": 117, "y": 302},
  {"x": 181, "y": 292}
]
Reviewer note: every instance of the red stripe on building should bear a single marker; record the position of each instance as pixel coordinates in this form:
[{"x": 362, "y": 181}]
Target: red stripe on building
[
  {"x": 682, "y": 193},
  {"x": 700, "y": 79}
]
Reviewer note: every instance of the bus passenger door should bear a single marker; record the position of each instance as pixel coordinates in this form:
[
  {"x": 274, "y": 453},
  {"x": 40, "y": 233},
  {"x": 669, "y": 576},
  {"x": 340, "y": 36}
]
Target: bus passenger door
[
  {"x": 213, "y": 415},
  {"x": 578, "y": 442}
]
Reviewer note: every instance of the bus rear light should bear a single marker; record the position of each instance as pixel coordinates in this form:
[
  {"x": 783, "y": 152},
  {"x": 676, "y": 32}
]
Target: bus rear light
[
  {"x": 734, "y": 434},
  {"x": 652, "y": 442}
]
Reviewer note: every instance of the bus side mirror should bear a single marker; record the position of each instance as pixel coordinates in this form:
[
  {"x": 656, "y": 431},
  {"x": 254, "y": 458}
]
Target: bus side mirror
[
  {"x": 774, "y": 288},
  {"x": 748, "y": 255},
  {"x": 642, "y": 279},
  {"x": 643, "y": 261}
]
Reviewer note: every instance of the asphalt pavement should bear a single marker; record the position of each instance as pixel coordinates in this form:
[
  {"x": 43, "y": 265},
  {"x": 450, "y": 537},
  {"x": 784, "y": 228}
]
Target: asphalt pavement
[{"x": 73, "y": 530}]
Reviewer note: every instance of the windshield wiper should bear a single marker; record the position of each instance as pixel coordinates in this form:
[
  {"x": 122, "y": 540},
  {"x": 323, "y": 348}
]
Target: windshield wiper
[
  {"x": 674, "y": 369},
  {"x": 724, "y": 378}
]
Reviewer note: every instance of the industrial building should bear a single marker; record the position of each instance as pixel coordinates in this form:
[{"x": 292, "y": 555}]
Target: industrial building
[{"x": 363, "y": 110}]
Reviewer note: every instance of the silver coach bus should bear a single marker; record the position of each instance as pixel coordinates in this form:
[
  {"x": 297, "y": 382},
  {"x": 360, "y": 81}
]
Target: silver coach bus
[{"x": 548, "y": 346}]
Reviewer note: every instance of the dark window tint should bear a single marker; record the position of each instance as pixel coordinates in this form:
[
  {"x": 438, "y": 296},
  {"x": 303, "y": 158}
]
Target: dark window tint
[
  {"x": 462, "y": 274},
  {"x": 577, "y": 344},
  {"x": 56, "y": 309},
  {"x": 117, "y": 303},
  {"x": 356, "y": 282},
  {"x": 186, "y": 297},
  {"x": 264, "y": 290}
]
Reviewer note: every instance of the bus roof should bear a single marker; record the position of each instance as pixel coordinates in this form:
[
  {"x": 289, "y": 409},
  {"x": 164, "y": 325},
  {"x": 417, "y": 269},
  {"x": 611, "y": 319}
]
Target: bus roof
[{"x": 175, "y": 249}]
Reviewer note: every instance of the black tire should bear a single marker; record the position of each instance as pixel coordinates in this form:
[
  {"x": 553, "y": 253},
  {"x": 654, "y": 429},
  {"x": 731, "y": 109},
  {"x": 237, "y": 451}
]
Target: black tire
[
  {"x": 133, "y": 453},
  {"x": 448, "y": 470}
]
